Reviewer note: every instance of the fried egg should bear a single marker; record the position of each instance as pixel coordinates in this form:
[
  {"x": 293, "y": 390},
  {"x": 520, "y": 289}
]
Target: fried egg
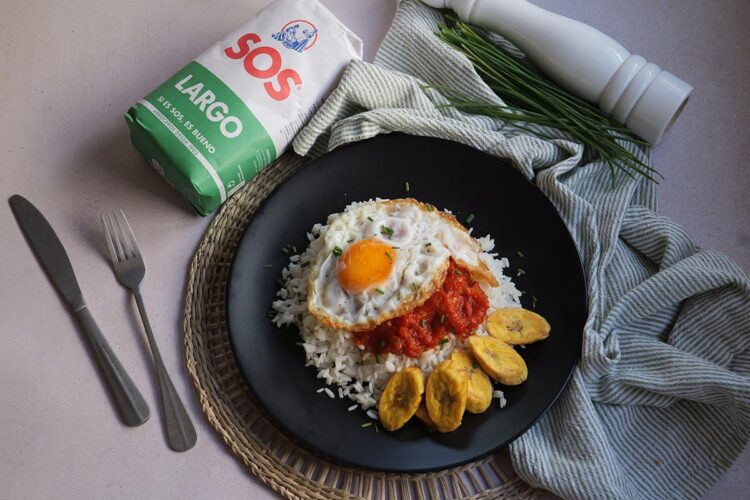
[{"x": 381, "y": 259}]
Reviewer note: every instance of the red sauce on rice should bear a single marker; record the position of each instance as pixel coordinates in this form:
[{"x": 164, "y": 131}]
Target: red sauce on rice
[{"x": 458, "y": 307}]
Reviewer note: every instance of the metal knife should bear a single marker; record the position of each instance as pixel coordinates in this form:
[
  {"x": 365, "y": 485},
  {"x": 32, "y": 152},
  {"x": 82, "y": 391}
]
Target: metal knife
[{"x": 52, "y": 257}]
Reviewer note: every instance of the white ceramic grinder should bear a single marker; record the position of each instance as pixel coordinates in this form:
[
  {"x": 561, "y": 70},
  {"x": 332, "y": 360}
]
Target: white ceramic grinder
[{"x": 585, "y": 61}]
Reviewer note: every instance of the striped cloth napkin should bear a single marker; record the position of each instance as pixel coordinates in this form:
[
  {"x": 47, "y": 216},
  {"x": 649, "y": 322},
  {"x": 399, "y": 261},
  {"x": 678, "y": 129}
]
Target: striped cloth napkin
[{"x": 660, "y": 404}]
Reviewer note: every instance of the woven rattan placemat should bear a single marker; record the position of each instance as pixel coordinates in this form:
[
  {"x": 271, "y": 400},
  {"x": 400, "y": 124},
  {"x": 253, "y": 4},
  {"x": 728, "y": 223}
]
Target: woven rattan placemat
[{"x": 270, "y": 454}]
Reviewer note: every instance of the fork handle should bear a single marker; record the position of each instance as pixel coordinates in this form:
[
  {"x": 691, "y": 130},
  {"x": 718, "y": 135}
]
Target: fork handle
[
  {"x": 181, "y": 434},
  {"x": 128, "y": 399}
]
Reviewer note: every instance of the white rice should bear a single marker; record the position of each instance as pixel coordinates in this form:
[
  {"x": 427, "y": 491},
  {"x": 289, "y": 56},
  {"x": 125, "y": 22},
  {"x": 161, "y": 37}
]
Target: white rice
[
  {"x": 500, "y": 398},
  {"x": 332, "y": 352}
]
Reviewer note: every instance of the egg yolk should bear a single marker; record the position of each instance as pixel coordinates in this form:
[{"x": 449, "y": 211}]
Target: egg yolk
[{"x": 365, "y": 264}]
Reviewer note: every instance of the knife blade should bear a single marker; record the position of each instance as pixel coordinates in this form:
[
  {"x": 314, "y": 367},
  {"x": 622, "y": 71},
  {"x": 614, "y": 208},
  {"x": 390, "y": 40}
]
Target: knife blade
[
  {"x": 48, "y": 248},
  {"x": 52, "y": 256}
]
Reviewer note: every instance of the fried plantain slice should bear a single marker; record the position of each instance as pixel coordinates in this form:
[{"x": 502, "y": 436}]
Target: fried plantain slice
[
  {"x": 480, "y": 388},
  {"x": 517, "y": 326},
  {"x": 446, "y": 394},
  {"x": 401, "y": 397},
  {"x": 499, "y": 360},
  {"x": 423, "y": 415}
]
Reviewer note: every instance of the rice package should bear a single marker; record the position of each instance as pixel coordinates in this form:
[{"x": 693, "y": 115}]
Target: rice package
[{"x": 233, "y": 110}]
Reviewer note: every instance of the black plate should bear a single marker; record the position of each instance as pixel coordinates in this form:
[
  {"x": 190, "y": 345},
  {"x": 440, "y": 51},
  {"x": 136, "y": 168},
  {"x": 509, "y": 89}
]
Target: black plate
[{"x": 448, "y": 175}]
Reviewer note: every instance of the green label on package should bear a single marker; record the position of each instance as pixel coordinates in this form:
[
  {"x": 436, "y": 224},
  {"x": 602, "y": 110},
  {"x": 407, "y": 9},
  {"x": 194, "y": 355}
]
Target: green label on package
[{"x": 199, "y": 130}]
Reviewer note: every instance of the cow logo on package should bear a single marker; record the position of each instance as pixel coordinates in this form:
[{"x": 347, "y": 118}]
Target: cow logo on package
[{"x": 299, "y": 35}]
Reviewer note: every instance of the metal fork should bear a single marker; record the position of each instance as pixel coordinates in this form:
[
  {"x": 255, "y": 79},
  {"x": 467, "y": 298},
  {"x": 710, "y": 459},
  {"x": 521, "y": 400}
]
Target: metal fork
[{"x": 130, "y": 269}]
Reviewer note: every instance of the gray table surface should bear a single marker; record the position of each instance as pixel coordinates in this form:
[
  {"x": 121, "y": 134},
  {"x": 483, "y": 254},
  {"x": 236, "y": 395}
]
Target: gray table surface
[{"x": 67, "y": 75}]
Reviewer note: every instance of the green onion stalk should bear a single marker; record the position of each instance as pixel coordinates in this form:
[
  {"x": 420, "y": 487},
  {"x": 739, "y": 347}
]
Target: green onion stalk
[{"x": 533, "y": 101}]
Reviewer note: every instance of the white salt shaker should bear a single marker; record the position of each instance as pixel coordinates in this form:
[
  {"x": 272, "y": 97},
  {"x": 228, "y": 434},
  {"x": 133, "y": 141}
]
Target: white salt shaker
[{"x": 585, "y": 61}]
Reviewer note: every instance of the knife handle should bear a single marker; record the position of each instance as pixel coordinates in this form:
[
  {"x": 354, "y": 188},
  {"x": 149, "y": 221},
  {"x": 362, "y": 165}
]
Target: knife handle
[{"x": 128, "y": 399}]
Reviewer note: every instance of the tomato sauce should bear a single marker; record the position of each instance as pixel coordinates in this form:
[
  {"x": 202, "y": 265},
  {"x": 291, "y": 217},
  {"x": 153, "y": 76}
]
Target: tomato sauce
[{"x": 458, "y": 307}]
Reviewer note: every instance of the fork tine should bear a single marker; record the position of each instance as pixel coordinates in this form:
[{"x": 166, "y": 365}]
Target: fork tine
[
  {"x": 121, "y": 235},
  {"x": 110, "y": 245},
  {"x": 116, "y": 237},
  {"x": 124, "y": 237},
  {"x": 128, "y": 231}
]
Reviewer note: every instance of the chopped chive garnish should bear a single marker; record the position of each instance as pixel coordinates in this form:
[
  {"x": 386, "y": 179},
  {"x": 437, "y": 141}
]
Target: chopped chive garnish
[
  {"x": 474, "y": 365},
  {"x": 520, "y": 253},
  {"x": 414, "y": 287},
  {"x": 428, "y": 244},
  {"x": 366, "y": 424},
  {"x": 458, "y": 271},
  {"x": 377, "y": 358},
  {"x": 406, "y": 186},
  {"x": 430, "y": 208},
  {"x": 423, "y": 323},
  {"x": 395, "y": 247},
  {"x": 398, "y": 295},
  {"x": 370, "y": 218},
  {"x": 337, "y": 251},
  {"x": 285, "y": 250},
  {"x": 349, "y": 241},
  {"x": 470, "y": 218},
  {"x": 381, "y": 292},
  {"x": 443, "y": 342},
  {"x": 382, "y": 344},
  {"x": 442, "y": 318},
  {"x": 272, "y": 314},
  {"x": 304, "y": 264},
  {"x": 376, "y": 427},
  {"x": 389, "y": 256},
  {"x": 387, "y": 231},
  {"x": 268, "y": 265},
  {"x": 520, "y": 272},
  {"x": 294, "y": 249}
]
